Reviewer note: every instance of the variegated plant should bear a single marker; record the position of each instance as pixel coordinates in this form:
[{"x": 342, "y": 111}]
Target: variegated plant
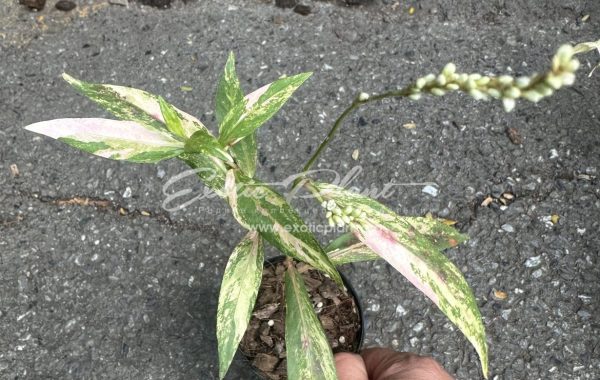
[{"x": 151, "y": 130}]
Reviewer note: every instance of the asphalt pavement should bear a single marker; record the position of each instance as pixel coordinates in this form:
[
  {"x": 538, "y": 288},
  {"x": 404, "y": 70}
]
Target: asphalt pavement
[{"x": 99, "y": 281}]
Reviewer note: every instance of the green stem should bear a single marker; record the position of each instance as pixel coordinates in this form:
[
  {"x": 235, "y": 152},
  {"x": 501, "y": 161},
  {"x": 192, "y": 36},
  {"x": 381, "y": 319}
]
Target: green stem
[{"x": 338, "y": 123}]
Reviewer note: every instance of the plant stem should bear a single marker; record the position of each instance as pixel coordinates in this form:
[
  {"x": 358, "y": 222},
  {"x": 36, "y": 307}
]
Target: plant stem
[{"x": 338, "y": 123}]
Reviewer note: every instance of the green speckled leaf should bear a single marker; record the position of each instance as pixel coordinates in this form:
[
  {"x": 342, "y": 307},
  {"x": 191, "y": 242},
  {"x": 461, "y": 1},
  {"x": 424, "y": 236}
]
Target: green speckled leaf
[
  {"x": 89, "y": 147},
  {"x": 171, "y": 118},
  {"x": 209, "y": 169},
  {"x": 229, "y": 94},
  {"x": 245, "y": 153},
  {"x": 413, "y": 247},
  {"x": 114, "y": 139},
  {"x": 258, "y": 207},
  {"x": 237, "y": 296},
  {"x": 261, "y": 105},
  {"x": 132, "y": 104},
  {"x": 202, "y": 142},
  {"x": 309, "y": 356},
  {"x": 348, "y": 249}
]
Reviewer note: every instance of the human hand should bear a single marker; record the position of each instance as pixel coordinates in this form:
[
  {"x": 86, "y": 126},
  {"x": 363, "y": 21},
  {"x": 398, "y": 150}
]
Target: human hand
[{"x": 386, "y": 364}]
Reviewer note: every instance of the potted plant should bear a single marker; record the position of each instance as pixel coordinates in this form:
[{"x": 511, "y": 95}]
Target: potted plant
[{"x": 151, "y": 130}]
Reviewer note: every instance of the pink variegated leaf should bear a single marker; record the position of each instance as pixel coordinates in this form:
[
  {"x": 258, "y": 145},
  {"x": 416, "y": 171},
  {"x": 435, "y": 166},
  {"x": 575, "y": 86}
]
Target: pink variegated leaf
[
  {"x": 114, "y": 139},
  {"x": 132, "y": 104},
  {"x": 413, "y": 246},
  {"x": 258, "y": 107}
]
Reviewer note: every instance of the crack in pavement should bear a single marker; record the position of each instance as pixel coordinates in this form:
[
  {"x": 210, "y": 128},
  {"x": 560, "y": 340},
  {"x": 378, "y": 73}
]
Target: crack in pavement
[{"x": 107, "y": 205}]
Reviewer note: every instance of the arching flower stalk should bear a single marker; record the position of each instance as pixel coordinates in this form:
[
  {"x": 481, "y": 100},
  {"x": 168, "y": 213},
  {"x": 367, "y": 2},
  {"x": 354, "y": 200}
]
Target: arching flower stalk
[{"x": 505, "y": 87}]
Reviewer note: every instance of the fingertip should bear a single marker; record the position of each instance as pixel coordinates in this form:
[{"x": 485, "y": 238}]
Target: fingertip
[{"x": 350, "y": 366}]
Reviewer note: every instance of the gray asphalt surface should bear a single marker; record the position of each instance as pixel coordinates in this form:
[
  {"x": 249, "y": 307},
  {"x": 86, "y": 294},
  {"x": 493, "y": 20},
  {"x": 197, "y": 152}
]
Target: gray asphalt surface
[{"x": 89, "y": 293}]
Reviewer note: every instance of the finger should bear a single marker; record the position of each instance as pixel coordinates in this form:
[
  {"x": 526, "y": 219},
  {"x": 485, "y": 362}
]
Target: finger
[
  {"x": 386, "y": 364},
  {"x": 350, "y": 366}
]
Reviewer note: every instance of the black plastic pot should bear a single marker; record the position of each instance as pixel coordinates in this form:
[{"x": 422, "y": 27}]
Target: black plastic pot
[
  {"x": 359, "y": 309},
  {"x": 350, "y": 290}
]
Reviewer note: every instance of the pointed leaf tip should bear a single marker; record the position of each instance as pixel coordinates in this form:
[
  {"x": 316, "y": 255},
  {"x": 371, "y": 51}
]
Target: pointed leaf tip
[
  {"x": 114, "y": 139},
  {"x": 171, "y": 118},
  {"x": 261, "y": 105}
]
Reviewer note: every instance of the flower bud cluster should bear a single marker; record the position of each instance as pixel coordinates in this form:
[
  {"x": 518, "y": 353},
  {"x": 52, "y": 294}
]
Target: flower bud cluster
[
  {"x": 504, "y": 87},
  {"x": 341, "y": 216}
]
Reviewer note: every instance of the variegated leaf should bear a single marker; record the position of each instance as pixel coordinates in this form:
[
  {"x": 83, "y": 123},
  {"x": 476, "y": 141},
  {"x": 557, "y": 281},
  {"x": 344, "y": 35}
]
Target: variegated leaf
[
  {"x": 309, "y": 356},
  {"x": 413, "y": 247},
  {"x": 209, "y": 169},
  {"x": 246, "y": 154},
  {"x": 438, "y": 233},
  {"x": 239, "y": 288},
  {"x": 114, "y": 139},
  {"x": 258, "y": 207},
  {"x": 202, "y": 142},
  {"x": 171, "y": 118},
  {"x": 132, "y": 104},
  {"x": 262, "y": 104},
  {"x": 229, "y": 94},
  {"x": 348, "y": 249}
]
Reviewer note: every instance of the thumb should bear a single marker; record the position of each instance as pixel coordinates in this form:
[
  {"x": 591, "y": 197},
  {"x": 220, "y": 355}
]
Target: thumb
[{"x": 350, "y": 366}]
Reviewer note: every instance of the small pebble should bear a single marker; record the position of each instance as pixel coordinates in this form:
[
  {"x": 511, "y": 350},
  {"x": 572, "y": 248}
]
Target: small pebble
[
  {"x": 65, "y": 5},
  {"x": 410, "y": 125},
  {"x": 271, "y": 322},
  {"x": 584, "y": 314},
  {"x": 487, "y": 201},
  {"x": 418, "y": 327},
  {"x": 375, "y": 307},
  {"x": 430, "y": 190},
  {"x": 302, "y": 9},
  {"x": 537, "y": 273},
  {"x": 37, "y": 5},
  {"x": 514, "y": 136},
  {"x": 508, "y": 196},
  {"x": 355, "y": 154},
  {"x": 14, "y": 170},
  {"x": 533, "y": 262},
  {"x": 127, "y": 192},
  {"x": 320, "y": 304},
  {"x": 342, "y": 339},
  {"x": 499, "y": 295},
  {"x": 506, "y": 313},
  {"x": 400, "y": 311},
  {"x": 508, "y": 228}
]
